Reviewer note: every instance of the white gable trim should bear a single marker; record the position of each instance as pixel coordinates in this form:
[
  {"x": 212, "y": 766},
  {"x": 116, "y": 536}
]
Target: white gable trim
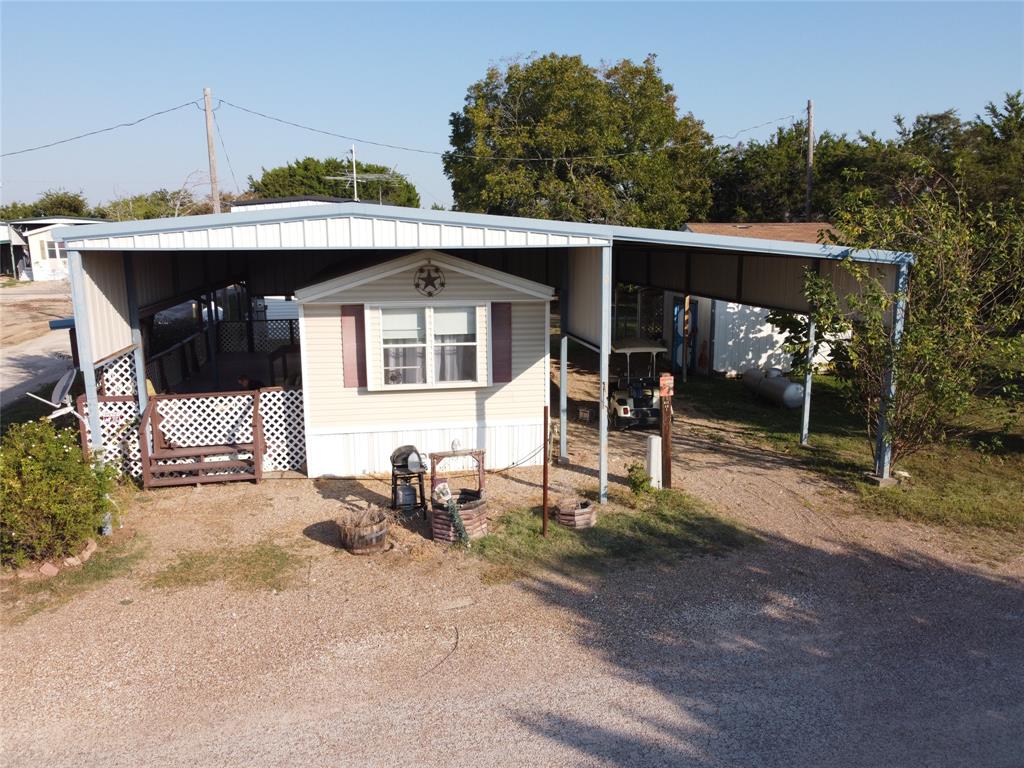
[{"x": 313, "y": 293}]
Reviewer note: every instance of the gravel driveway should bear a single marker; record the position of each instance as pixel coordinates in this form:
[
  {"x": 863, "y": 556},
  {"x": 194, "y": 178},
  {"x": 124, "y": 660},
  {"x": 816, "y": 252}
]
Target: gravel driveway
[{"x": 838, "y": 641}]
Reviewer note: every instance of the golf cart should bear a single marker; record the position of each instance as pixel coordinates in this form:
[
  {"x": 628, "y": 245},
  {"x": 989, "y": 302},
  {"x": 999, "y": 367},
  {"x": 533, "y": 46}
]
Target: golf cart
[{"x": 635, "y": 399}]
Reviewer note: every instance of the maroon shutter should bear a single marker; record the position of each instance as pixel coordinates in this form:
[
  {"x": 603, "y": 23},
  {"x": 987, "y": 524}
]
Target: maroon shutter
[
  {"x": 353, "y": 345},
  {"x": 501, "y": 338}
]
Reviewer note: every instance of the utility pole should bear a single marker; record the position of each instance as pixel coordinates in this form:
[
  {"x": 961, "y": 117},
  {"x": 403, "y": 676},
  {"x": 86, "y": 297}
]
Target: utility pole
[
  {"x": 214, "y": 189},
  {"x": 810, "y": 158},
  {"x": 355, "y": 182}
]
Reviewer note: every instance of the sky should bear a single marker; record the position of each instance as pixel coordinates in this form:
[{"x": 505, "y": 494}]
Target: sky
[{"x": 394, "y": 72}]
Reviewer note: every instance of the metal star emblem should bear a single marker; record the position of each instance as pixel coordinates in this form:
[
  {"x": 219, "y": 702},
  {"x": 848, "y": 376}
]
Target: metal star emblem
[{"x": 429, "y": 280}]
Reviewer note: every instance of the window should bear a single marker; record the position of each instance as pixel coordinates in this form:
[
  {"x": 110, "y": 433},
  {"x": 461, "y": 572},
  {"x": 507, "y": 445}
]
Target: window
[
  {"x": 430, "y": 345},
  {"x": 455, "y": 344},
  {"x": 404, "y": 335},
  {"x": 56, "y": 250}
]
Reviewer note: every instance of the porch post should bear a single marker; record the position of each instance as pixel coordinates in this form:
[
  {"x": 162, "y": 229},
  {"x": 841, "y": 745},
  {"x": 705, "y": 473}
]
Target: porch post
[
  {"x": 805, "y": 422},
  {"x": 606, "y": 348},
  {"x": 133, "y": 321},
  {"x": 83, "y": 336},
  {"x": 563, "y": 365},
  {"x": 883, "y": 448},
  {"x": 214, "y": 332}
]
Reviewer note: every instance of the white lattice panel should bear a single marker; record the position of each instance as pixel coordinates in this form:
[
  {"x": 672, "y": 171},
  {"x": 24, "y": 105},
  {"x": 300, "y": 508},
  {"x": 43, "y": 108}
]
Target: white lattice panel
[
  {"x": 119, "y": 421},
  {"x": 283, "y": 429},
  {"x": 232, "y": 336},
  {"x": 207, "y": 420},
  {"x": 118, "y": 375},
  {"x": 268, "y": 335}
]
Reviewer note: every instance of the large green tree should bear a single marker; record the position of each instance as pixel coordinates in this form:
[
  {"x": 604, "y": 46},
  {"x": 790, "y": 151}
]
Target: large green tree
[
  {"x": 554, "y": 138},
  {"x": 309, "y": 176},
  {"x": 53, "y": 202}
]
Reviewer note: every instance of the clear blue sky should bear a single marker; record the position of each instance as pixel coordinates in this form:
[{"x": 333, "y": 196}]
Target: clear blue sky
[{"x": 394, "y": 72}]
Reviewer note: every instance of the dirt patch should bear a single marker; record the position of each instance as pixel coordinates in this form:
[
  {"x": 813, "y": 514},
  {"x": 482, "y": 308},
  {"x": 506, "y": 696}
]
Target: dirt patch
[{"x": 29, "y": 318}]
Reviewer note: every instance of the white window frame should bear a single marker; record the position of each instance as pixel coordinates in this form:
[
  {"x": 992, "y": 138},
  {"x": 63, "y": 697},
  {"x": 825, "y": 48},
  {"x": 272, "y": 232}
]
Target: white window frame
[
  {"x": 375, "y": 342},
  {"x": 59, "y": 249}
]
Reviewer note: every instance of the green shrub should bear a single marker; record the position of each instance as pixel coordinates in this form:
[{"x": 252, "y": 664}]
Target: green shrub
[
  {"x": 53, "y": 499},
  {"x": 639, "y": 480}
]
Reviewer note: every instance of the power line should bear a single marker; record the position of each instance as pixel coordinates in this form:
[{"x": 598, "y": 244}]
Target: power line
[
  {"x": 220, "y": 135},
  {"x": 101, "y": 130},
  {"x": 435, "y": 152},
  {"x": 755, "y": 127}
]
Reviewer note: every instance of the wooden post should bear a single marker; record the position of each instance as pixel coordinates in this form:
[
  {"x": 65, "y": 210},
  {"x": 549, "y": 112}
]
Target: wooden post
[
  {"x": 211, "y": 151},
  {"x": 544, "y": 502},
  {"x": 667, "y": 388}
]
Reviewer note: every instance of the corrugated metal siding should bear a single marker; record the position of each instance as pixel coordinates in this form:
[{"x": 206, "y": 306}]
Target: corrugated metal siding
[
  {"x": 330, "y": 406},
  {"x": 107, "y": 303},
  {"x": 339, "y": 232},
  {"x": 585, "y": 294},
  {"x": 775, "y": 282},
  {"x": 744, "y": 339},
  {"x": 713, "y": 275}
]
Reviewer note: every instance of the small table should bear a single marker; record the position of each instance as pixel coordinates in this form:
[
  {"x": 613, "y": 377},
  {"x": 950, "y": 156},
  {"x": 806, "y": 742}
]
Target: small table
[{"x": 436, "y": 459}]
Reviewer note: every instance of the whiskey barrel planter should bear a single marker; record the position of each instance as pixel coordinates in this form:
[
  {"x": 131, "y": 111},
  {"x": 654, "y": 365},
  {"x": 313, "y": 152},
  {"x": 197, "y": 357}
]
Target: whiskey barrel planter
[
  {"x": 472, "y": 509},
  {"x": 364, "y": 532},
  {"x": 581, "y": 515}
]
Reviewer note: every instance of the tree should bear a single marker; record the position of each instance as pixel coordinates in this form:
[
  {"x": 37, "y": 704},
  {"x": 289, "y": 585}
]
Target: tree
[
  {"x": 554, "y": 138},
  {"x": 765, "y": 180},
  {"x": 309, "y": 177},
  {"x": 965, "y": 304},
  {"x": 161, "y": 203},
  {"x": 53, "y": 202}
]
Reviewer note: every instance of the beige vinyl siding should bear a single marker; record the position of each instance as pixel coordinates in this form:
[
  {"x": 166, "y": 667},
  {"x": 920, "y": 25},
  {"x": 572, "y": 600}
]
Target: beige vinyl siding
[
  {"x": 329, "y": 405},
  {"x": 107, "y": 303},
  {"x": 399, "y": 287},
  {"x": 584, "y": 320}
]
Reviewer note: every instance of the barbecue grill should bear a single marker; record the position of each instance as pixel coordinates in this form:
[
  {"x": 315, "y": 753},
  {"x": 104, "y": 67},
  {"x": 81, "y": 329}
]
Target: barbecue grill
[{"x": 407, "y": 470}]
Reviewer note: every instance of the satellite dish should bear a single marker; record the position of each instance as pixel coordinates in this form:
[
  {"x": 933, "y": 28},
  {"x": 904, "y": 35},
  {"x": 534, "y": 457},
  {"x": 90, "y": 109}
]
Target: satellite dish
[{"x": 60, "y": 398}]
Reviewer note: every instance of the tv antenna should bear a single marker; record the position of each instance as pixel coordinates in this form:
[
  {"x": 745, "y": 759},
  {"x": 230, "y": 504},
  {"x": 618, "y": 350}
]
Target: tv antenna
[
  {"x": 60, "y": 398},
  {"x": 354, "y": 178}
]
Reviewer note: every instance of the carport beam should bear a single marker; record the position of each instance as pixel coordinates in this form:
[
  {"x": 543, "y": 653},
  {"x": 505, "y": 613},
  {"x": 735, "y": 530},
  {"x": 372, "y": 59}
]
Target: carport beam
[
  {"x": 606, "y": 348},
  {"x": 883, "y": 448},
  {"x": 133, "y": 321},
  {"x": 805, "y": 422},
  {"x": 83, "y": 337}
]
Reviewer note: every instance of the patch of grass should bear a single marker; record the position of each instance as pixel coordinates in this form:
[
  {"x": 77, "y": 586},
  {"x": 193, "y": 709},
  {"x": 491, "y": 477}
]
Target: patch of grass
[
  {"x": 977, "y": 482},
  {"x": 665, "y": 526},
  {"x": 256, "y": 567},
  {"x": 26, "y": 598}
]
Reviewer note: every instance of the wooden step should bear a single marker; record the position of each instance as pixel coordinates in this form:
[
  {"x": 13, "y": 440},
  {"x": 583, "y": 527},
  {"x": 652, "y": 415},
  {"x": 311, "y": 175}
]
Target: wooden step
[
  {"x": 201, "y": 450},
  {"x": 201, "y": 466},
  {"x": 156, "y": 482}
]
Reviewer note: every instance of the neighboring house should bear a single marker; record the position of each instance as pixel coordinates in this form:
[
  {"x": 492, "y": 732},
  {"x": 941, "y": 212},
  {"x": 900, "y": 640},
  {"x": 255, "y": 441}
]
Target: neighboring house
[
  {"x": 6, "y": 250},
  {"x": 36, "y": 254},
  {"x": 727, "y": 337}
]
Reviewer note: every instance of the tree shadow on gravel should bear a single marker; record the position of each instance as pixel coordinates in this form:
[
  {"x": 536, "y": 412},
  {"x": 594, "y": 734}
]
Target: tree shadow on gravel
[{"x": 788, "y": 655}]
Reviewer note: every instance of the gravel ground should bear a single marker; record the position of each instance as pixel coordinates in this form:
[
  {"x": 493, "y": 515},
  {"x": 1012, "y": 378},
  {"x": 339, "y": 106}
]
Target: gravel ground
[{"x": 840, "y": 641}]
